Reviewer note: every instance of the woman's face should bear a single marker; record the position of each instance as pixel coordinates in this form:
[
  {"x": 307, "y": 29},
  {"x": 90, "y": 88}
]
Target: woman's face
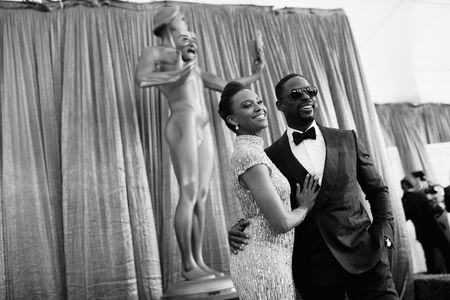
[{"x": 249, "y": 112}]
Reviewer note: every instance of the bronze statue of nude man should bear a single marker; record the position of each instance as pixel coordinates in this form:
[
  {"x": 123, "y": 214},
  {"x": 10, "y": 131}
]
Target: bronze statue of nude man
[{"x": 172, "y": 67}]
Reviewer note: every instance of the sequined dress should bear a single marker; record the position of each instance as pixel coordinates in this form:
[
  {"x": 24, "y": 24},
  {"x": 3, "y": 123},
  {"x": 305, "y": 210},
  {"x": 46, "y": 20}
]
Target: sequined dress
[{"x": 263, "y": 270}]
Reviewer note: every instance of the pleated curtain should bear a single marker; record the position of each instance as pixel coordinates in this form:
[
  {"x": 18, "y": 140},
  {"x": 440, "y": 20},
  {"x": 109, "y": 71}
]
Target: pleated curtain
[
  {"x": 88, "y": 191},
  {"x": 411, "y": 127}
]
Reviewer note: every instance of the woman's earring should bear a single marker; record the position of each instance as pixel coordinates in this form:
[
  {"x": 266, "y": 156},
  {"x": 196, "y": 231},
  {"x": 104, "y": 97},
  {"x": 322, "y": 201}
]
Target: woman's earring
[{"x": 236, "y": 127}]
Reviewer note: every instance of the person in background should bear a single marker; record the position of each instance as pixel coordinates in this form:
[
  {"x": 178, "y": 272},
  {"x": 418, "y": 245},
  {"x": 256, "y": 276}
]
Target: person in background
[
  {"x": 417, "y": 209},
  {"x": 447, "y": 197},
  {"x": 423, "y": 205},
  {"x": 441, "y": 228},
  {"x": 422, "y": 181}
]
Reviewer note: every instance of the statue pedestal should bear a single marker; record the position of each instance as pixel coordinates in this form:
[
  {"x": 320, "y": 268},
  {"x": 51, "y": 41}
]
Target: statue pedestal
[{"x": 214, "y": 288}]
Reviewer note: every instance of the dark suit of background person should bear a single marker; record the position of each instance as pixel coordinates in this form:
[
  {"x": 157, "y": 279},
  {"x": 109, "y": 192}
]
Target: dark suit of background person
[
  {"x": 417, "y": 209},
  {"x": 447, "y": 198},
  {"x": 337, "y": 248},
  {"x": 440, "y": 229}
]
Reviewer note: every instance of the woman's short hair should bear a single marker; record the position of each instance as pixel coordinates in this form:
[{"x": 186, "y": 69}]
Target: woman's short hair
[{"x": 225, "y": 104}]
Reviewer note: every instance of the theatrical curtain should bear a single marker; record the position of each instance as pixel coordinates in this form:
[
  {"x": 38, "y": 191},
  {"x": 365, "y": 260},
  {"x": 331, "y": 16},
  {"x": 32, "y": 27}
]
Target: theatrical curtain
[
  {"x": 410, "y": 127},
  {"x": 87, "y": 187}
]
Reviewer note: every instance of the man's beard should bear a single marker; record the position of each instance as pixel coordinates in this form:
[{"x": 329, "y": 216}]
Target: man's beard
[{"x": 304, "y": 120}]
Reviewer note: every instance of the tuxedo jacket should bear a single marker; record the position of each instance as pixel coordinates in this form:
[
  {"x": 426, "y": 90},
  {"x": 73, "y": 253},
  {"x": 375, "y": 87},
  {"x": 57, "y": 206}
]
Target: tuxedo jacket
[{"x": 338, "y": 214}]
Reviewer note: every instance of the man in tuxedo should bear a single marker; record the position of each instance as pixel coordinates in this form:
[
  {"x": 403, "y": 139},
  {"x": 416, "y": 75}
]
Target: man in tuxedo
[{"x": 337, "y": 249}]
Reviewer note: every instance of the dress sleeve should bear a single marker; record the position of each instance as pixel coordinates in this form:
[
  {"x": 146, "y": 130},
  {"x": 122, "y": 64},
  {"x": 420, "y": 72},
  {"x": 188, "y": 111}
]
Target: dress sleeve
[{"x": 245, "y": 159}]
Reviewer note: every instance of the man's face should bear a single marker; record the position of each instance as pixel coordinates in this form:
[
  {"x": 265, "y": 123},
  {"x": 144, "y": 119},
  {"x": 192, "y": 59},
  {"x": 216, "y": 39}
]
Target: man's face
[
  {"x": 186, "y": 42},
  {"x": 437, "y": 198},
  {"x": 299, "y": 111},
  {"x": 423, "y": 184}
]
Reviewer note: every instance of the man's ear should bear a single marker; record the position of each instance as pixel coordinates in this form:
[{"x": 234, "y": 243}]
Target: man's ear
[{"x": 278, "y": 104}]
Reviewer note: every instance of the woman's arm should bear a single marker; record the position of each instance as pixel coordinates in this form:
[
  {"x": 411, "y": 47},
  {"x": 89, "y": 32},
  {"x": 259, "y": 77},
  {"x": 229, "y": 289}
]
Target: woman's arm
[{"x": 258, "y": 181}]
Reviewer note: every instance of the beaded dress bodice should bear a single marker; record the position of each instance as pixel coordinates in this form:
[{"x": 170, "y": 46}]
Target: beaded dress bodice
[
  {"x": 263, "y": 269},
  {"x": 249, "y": 152}
]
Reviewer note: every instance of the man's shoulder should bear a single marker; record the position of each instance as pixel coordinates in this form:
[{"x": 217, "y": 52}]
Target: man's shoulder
[
  {"x": 273, "y": 150},
  {"x": 332, "y": 130},
  {"x": 336, "y": 134},
  {"x": 276, "y": 143}
]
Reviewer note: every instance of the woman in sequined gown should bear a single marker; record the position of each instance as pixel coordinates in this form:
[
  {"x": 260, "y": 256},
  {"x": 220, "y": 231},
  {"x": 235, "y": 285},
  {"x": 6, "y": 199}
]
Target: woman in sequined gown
[{"x": 263, "y": 269}]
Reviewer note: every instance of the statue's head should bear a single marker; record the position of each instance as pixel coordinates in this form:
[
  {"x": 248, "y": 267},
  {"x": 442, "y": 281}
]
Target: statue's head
[
  {"x": 186, "y": 42},
  {"x": 168, "y": 17}
]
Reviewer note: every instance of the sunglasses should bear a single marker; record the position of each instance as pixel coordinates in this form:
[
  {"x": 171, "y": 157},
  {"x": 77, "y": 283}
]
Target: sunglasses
[{"x": 311, "y": 91}]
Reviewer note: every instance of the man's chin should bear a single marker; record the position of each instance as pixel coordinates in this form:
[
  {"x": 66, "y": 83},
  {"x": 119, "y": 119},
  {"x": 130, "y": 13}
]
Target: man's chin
[{"x": 306, "y": 118}]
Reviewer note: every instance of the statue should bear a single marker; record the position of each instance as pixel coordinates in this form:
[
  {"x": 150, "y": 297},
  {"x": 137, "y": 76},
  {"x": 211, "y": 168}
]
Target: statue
[{"x": 172, "y": 68}]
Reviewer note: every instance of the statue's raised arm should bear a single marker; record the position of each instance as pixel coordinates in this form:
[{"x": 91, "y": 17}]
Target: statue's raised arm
[
  {"x": 216, "y": 83},
  {"x": 160, "y": 65}
]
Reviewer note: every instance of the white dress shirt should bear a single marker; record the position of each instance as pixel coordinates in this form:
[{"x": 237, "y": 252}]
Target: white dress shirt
[{"x": 310, "y": 153}]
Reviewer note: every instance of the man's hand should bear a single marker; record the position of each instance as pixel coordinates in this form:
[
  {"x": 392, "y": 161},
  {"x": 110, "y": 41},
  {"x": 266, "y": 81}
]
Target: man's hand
[{"x": 236, "y": 236}]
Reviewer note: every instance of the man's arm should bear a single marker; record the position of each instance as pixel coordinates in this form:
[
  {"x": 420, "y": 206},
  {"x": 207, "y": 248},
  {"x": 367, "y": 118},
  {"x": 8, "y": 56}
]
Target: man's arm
[
  {"x": 237, "y": 238},
  {"x": 376, "y": 193},
  {"x": 147, "y": 73}
]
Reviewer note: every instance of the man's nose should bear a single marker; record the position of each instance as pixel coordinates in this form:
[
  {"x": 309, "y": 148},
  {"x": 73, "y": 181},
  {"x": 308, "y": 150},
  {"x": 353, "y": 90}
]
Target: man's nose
[{"x": 305, "y": 97}]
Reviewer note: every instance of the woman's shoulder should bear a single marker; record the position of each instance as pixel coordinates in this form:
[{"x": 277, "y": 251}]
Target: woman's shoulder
[
  {"x": 247, "y": 152},
  {"x": 244, "y": 158}
]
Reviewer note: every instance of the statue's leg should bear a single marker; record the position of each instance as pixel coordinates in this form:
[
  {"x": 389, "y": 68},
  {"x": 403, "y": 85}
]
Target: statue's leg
[
  {"x": 181, "y": 136},
  {"x": 205, "y": 167}
]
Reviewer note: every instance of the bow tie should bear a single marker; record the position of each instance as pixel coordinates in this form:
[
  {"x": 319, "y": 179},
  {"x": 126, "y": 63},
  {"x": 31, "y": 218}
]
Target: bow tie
[{"x": 308, "y": 134}]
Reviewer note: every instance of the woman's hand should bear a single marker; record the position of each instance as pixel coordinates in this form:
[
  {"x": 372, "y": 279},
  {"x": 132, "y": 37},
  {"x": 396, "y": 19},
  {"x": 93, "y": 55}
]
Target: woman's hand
[{"x": 306, "y": 196}]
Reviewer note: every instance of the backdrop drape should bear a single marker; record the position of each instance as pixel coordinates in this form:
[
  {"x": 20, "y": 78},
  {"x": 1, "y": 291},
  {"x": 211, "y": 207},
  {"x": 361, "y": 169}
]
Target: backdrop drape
[
  {"x": 410, "y": 127},
  {"x": 88, "y": 190}
]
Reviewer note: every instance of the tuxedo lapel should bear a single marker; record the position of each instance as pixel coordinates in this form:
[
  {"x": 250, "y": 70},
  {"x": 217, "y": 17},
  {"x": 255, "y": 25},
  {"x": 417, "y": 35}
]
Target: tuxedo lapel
[
  {"x": 298, "y": 173},
  {"x": 330, "y": 168},
  {"x": 295, "y": 168}
]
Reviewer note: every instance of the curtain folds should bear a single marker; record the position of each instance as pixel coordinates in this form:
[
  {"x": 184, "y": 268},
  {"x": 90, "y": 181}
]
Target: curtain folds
[
  {"x": 88, "y": 189},
  {"x": 410, "y": 127}
]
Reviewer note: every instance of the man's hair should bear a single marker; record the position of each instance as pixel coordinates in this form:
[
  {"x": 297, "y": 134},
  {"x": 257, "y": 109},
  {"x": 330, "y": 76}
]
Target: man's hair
[
  {"x": 280, "y": 85},
  {"x": 434, "y": 189},
  {"x": 419, "y": 174},
  {"x": 225, "y": 104},
  {"x": 407, "y": 182}
]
